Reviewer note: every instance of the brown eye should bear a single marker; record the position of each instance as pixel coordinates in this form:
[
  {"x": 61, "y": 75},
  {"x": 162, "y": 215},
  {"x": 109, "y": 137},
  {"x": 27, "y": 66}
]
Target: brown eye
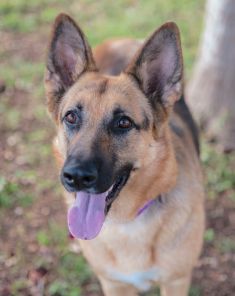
[
  {"x": 124, "y": 123},
  {"x": 71, "y": 117}
]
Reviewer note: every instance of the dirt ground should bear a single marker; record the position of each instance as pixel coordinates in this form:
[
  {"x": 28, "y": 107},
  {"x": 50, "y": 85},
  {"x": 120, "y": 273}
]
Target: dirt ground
[{"x": 35, "y": 255}]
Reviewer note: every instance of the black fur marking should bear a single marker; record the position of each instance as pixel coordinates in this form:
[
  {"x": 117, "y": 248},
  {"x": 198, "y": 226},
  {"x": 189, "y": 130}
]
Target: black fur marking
[
  {"x": 103, "y": 86},
  {"x": 182, "y": 110},
  {"x": 118, "y": 111},
  {"x": 105, "y": 158},
  {"x": 146, "y": 123},
  {"x": 176, "y": 129}
]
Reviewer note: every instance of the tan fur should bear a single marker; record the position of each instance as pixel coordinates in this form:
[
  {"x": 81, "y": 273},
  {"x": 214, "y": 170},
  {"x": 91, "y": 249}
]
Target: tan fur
[
  {"x": 165, "y": 241},
  {"x": 110, "y": 57}
]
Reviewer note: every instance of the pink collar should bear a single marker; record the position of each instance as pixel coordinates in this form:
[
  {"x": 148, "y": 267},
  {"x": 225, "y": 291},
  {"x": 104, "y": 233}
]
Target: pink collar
[{"x": 150, "y": 203}]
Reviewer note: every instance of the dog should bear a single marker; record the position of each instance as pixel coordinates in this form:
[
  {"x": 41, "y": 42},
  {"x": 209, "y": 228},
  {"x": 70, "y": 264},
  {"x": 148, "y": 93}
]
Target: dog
[{"x": 128, "y": 153}]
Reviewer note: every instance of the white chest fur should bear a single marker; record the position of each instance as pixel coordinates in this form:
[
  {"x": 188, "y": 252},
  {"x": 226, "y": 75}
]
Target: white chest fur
[
  {"x": 128, "y": 260},
  {"x": 142, "y": 280}
]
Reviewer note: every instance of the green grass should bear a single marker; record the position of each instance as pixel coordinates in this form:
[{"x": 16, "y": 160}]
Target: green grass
[
  {"x": 226, "y": 245},
  {"x": 105, "y": 19},
  {"x": 74, "y": 268},
  {"x": 13, "y": 118},
  {"x": 209, "y": 235},
  {"x": 26, "y": 16},
  {"x": 195, "y": 291},
  {"x": 21, "y": 73},
  {"x": 99, "y": 20},
  {"x": 18, "y": 286},
  {"x": 219, "y": 170},
  {"x": 63, "y": 288},
  {"x": 11, "y": 194},
  {"x": 43, "y": 238}
]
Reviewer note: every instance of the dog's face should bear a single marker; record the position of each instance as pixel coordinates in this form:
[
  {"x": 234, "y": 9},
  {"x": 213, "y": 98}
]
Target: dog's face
[{"x": 111, "y": 130}]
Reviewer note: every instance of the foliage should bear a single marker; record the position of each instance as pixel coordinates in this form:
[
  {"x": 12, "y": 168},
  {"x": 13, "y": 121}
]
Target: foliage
[{"x": 25, "y": 128}]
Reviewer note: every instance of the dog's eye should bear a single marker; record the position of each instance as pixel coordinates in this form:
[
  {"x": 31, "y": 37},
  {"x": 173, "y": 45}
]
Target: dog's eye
[
  {"x": 71, "y": 118},
  {"x": 124, "y": 123}
]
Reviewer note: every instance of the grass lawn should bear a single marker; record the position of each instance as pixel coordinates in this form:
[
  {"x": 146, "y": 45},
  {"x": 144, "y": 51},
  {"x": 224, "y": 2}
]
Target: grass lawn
[{"x": 35, "y": 254}]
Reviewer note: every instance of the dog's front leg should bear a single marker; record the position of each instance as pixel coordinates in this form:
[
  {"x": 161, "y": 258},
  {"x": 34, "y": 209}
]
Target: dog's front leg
[
  {"x": 178, "y": 287},
  {"x": 112, "y": 288}
]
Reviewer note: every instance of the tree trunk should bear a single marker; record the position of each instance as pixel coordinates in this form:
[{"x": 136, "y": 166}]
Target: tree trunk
[{"x": 211, "y": 92}]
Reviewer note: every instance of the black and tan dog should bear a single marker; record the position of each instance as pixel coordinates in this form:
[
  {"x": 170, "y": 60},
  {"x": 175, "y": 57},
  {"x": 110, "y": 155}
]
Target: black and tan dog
[{"x": 128, "y": 152}]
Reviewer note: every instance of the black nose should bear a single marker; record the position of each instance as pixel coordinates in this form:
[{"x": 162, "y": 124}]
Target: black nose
[{"x": 79, "y": 177}]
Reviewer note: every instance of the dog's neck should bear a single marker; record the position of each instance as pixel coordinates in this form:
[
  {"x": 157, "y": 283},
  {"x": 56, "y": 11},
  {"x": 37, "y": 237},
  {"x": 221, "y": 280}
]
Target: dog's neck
[{"x": 150, "y": 203}]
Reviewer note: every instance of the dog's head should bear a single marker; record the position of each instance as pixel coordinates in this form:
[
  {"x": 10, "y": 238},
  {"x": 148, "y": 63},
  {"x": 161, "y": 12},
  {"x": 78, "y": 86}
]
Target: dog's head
[{"x": 112, "y": 131}]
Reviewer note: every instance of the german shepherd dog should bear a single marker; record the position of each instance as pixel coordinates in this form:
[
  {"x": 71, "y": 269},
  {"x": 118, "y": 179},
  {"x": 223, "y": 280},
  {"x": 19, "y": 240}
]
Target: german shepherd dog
[{"x": 128, "y": 153}]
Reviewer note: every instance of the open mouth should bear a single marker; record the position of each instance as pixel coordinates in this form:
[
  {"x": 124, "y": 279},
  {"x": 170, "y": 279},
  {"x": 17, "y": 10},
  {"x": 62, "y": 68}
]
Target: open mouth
[
  {"x": 114, "y": 191},
  {"x": 87, "y": 215}
]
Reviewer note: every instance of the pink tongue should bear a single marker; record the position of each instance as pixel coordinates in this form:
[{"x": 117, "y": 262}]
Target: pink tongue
[{"x": 86, "y": 217}]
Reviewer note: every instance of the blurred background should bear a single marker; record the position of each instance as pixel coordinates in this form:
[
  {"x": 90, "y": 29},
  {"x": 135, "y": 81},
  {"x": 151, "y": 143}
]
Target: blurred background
[{"x": 37, "y": 257}]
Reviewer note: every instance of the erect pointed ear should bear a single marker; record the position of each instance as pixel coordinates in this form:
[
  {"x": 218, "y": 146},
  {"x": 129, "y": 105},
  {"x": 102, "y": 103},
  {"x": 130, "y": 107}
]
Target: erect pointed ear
[
  {"x": 158, "y": 66},
  {"x": 69, "y": 56}
]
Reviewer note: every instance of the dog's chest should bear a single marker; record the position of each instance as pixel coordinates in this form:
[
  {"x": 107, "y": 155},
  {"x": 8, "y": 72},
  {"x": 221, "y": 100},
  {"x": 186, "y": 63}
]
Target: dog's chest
[
  {"x": 130, "y": 251},
  {"x": 142, "y": 280},
  {"x": 134, "y": 256}
]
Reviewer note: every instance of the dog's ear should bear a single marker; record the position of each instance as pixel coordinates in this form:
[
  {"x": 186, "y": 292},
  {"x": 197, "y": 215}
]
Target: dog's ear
[
  {"x": 158, "y": 66},
  {"x": 68, "y": 57}
]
